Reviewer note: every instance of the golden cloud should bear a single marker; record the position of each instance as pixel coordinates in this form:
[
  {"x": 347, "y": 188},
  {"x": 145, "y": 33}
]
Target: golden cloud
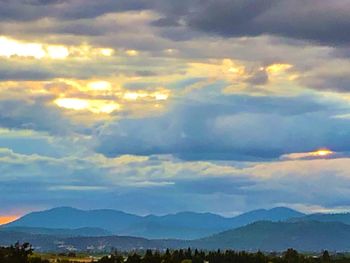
[
  {"x": 16, "y": 48},
  {"x": 321, "y": 153}
]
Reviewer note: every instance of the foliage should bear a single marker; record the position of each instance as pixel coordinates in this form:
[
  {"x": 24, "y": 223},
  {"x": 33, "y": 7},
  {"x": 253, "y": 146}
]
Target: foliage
[
  {"x": 227, "y": 256},
  {"x": 16, "y": 253},
  {"x": 23, "y": 254}
]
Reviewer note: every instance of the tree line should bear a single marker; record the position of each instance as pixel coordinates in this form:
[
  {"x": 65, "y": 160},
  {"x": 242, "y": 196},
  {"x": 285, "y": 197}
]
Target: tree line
[
  {"x": 24, "y": 254},
  {"x": 19, "y": 254},
  {"x": 227, "y": 256}
]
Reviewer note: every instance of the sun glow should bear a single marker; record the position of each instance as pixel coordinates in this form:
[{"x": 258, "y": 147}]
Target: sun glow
[
  {"x": 10, "y": 47},
  {"x": 107, "y": 52},
  {"x": 101, "y": 106},
  {"x": 132, "y": 52},
  {"x": 161, "y": 96},
  {"x": 100, "y": 85},
  {"x": 321, "y": 153},
  {"x": 94, "y": 106},
  {"x": 134, "y": 95},
  {"x": 72, "y": 104},
  {"x": 278, "y": 68},
  {"x": 57, "y": 52}
]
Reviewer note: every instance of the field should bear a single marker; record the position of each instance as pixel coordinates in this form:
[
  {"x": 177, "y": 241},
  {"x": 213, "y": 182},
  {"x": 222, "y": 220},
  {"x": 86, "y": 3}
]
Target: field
[{"x": 81, "y": 257}]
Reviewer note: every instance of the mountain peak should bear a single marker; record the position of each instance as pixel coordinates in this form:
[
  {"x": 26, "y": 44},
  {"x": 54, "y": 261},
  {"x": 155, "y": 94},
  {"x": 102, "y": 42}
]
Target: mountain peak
[
  {"x": 282, "y": 208},
  {"x": 63, "y": 209}
]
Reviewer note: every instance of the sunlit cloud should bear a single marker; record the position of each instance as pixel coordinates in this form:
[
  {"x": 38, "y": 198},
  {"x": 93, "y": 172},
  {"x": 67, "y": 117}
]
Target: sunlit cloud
[
  {"x": 91, "y": 100},
  {"x": 134, "y": 95},
  {"x": 247, "y": 76},
  {"x": 86, "y": 51},
  {"x": 100, "y": 85},
  {"x": 10, "y": 47},
  {"x": 278, "y": 68},
  {"x": 321, "y": 153},
  {"x": 57, "y": 52},
  {"x": 94, "y": 106},
  {"x": 224, "y": 69},
  {"x": 160, "y": 96},
  {"x": 278, "y": 72},
  {"x": 342, "y": 116},
  {"x": 107, "y": 52},
  {"x": 73, "y": 104},
  {"x": 105, "y": 108},
  {"x": 132, "y": 52},
  {"x": 143, "y": 94}
]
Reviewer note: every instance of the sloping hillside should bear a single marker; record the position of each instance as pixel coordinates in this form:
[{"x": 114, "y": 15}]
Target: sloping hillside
[{"x": 278, "y": 236}]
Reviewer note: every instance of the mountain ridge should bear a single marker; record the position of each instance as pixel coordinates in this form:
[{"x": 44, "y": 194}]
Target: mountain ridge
[
  {"x": 267, "y": 236},
  {"x": 181, "y": 225},
  {"x": 278, "y": 236}
]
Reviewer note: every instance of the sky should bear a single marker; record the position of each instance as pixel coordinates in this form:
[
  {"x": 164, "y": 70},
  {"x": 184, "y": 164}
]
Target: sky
[{"x": 161, "y": 106}]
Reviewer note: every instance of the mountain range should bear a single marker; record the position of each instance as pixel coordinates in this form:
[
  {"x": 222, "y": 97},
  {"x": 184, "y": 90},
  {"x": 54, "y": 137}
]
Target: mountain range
[
  {"x": 307, "y": 236},
  {"x": 62, "y": 229},
  {"x": 184, "y": 225}
]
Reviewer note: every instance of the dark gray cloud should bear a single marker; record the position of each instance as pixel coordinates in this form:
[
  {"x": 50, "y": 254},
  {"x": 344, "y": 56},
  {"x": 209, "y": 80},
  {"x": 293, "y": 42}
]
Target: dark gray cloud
[
  {"x": 26, "y": 10},
  {"x": 45, "y": 2},
  {"x": 28, "y": 68},
  {"x": 25, "y": 74},
  {"x": 166, "y": 22},
  {"x": 236, "y": 127},
  {"x": 320, "y": 21},
  {"x": 328, "y": 82},
  {"x": 259, "y": 77},
  {"x": 78, "y": 9},
  {"x": 34, "y": 115}
]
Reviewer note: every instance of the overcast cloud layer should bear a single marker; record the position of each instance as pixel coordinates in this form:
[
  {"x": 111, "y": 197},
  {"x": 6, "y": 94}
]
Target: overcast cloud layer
[{"x": 164, "y": 106}]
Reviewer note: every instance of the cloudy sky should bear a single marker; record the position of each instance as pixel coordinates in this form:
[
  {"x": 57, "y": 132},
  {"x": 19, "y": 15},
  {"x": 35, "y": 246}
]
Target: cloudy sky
[{"x": 160, "y": 106}]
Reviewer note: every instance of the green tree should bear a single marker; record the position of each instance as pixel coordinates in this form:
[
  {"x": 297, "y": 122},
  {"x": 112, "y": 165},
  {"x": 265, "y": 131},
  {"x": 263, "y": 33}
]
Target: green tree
[
  {"x": 325, "y": 256},
  {"x": 134, "y": 258},
  {"x": 291, "y": 256}
]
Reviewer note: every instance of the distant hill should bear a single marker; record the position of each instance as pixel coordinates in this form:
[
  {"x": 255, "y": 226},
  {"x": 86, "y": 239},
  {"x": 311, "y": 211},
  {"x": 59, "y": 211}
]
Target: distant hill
[
  {"x": 189, "y": 225},
  {"x": 339, "y": 217},
  {"x": 266, "y": 236},
  {"x": 279, "y": 236},
  {"x": 71, "y": 218},
  {"x": 185, "y": 225},
  {"x": 39, "y": 242},
  {"x": 85, "y": 231},
  {"x": 45, "y": 243},
  {"x": 122, "y": 243},
  {"x": 275, "y": 214}
]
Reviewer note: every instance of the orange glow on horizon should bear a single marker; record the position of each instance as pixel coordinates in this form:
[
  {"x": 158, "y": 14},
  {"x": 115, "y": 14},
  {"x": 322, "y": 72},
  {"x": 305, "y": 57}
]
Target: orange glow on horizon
[{"x": 7, "y": 219}]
